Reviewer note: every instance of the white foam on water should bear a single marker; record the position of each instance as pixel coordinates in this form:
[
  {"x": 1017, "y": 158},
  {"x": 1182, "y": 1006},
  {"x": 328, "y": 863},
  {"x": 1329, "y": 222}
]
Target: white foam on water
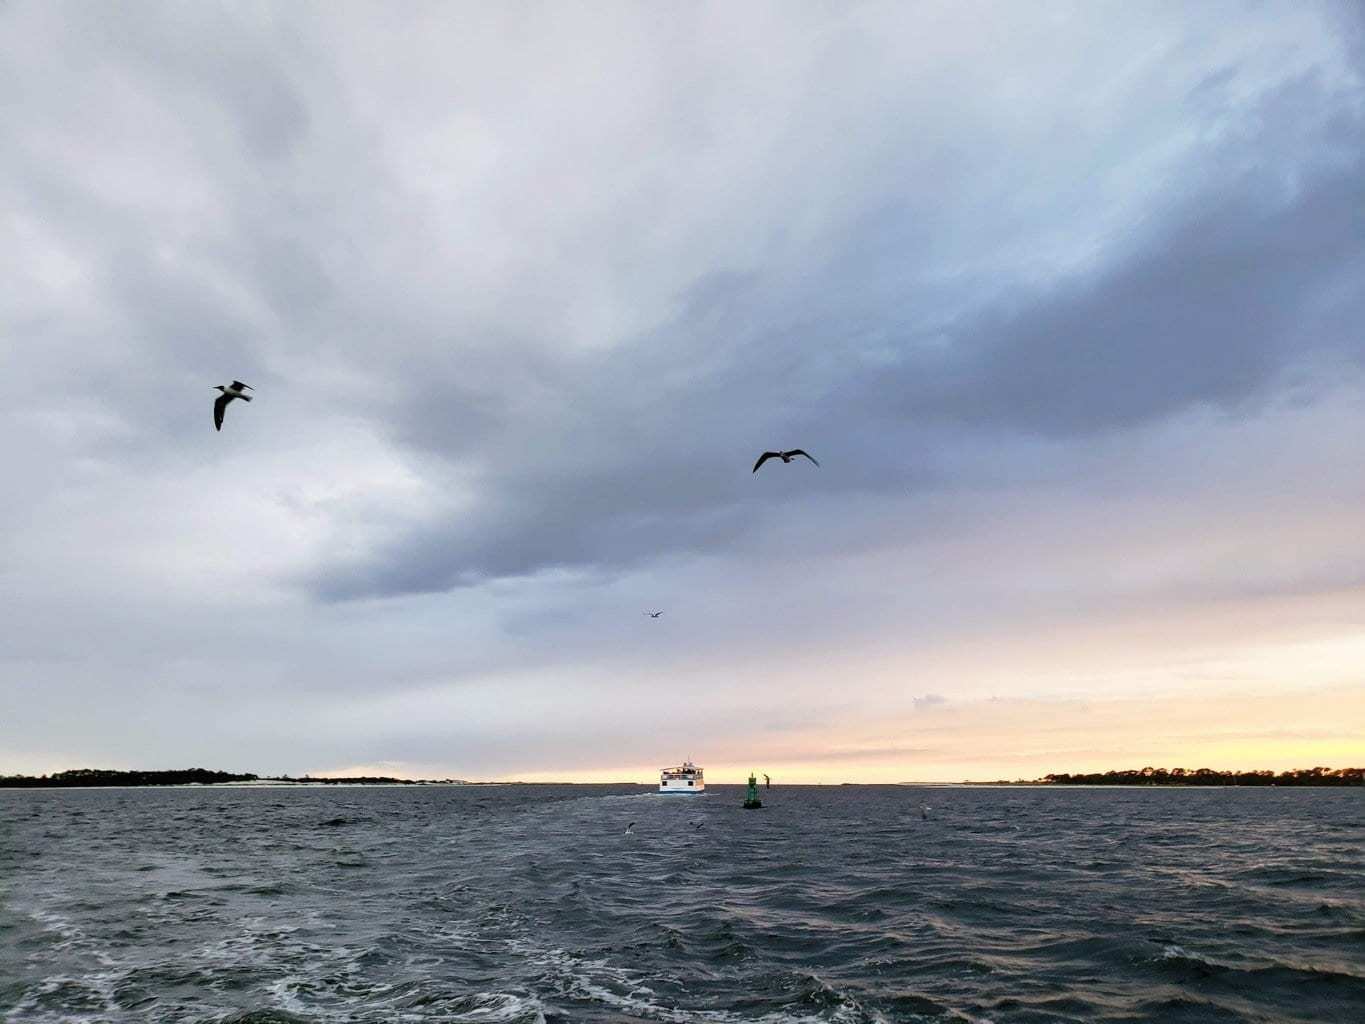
[
  {"x": 474, "y": 1008},
  {"x": 504, "y": 1008},
  {"x": 72, "y": 936},
  {"x": 30, "y": 1009},
  {"x": 623, "y": 989}
]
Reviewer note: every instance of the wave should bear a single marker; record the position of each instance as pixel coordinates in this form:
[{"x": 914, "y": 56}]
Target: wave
[
  {"x": 526, "y": 905},
  {"x": 1180, "y": 965},
  {"x": 804, "y": 998}
]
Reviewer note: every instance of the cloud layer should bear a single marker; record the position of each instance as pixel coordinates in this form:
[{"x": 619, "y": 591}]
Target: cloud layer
[{"x": 1066, "y": 302}]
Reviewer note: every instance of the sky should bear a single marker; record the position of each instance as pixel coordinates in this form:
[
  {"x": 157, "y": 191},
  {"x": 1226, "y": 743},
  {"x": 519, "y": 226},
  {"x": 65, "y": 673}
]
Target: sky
[{"x": 1066, "y": 299}]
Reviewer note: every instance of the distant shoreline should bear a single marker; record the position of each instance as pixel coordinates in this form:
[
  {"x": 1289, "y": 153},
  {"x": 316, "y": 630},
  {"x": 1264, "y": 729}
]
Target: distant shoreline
[
  {"x": 1180, "y": 778},
  {"x": 200, "y": 778},
  {"x": 106, "y": 778},
  {"x": 1176, "y": 778}
]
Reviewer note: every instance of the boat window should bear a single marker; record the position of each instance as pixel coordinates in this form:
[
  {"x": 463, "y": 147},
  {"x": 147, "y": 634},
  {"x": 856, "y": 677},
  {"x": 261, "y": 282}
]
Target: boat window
[{"x": 689, "y": 782}]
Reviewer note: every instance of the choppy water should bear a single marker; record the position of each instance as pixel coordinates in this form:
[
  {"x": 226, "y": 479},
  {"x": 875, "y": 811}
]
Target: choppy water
[{"x": 523, "y": 904}]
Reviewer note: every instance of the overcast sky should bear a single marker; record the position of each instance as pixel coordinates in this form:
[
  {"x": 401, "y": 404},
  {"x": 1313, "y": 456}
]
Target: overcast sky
[{"x": 1066, "y": 299}]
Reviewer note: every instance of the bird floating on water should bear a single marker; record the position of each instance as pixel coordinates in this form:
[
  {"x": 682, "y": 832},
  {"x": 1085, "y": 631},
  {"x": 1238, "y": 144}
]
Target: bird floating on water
[
  {"x": 784, "y": 456},
  {"x": 234, "y": 390},
  {"x": 653, "y": 615}
]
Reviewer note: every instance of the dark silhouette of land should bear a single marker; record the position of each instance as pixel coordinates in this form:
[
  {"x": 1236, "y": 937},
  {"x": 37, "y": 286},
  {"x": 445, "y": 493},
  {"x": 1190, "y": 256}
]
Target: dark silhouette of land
[
  {"x": 190, "y": 777},
  {"x": 1210, "y": 777},
  {"x": 79, "y": 777}
]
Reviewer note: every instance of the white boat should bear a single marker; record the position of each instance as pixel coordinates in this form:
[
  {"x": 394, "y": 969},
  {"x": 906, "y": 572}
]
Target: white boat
[{"x": 686, "y": 779}]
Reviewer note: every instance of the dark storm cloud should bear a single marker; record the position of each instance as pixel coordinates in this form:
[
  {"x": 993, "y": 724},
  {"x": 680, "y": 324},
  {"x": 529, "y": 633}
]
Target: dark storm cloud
[
  {"x": 639, "y": 454},
  {"x": 1211, "y": 313},
  {"x": 1244, "y": 268}
]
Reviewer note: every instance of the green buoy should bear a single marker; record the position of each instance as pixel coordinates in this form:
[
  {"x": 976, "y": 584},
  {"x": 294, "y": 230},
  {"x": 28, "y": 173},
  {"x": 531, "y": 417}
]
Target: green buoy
[{"x": 751, "y": 800}]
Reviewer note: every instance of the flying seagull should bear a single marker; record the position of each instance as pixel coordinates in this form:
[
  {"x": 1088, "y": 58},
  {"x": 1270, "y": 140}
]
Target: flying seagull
[
  {"x": 653, "y": 615},
  {"x": 784, "y": 456},
  {"x": 231, "y": 391}
]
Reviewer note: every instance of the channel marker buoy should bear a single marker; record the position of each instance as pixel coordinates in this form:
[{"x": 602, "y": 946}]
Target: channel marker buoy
[{"x": 751, "y": 800}]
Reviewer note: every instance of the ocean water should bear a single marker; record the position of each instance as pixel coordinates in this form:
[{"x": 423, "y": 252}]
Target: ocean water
[{"x": 533, "y": 903}]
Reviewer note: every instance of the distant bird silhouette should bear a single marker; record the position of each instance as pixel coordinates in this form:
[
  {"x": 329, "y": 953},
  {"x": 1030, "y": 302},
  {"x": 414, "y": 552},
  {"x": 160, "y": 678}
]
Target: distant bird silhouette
[
  {"x": 630, "y": 826},
  {"x": 231, "y": 391},
  {"x": 784, "y": 456},
  {"x": 924, "y": 812},
  {"x": 653, "y": 615}
]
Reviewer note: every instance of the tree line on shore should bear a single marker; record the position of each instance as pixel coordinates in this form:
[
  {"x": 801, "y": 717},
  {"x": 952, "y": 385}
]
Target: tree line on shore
[
  {"x": 183, "y": 777},
  {"x": 1212, "y": 777},
  {"x": 79, "y": 777}
]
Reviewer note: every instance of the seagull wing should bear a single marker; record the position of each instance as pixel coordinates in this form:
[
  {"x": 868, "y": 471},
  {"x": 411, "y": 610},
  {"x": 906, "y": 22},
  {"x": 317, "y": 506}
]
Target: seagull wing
[
  {"x": 765, "y": 457},
  {"x": 218, "y": 408},
  {"x": 798, "y": 451},
  {"x": 239, "y": 385}
]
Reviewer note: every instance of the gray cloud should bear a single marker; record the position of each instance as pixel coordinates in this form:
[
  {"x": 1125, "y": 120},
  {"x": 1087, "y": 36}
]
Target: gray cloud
[
  {"x": 1212, "y": 313},
  {"x": 1216, "y": 304}
]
